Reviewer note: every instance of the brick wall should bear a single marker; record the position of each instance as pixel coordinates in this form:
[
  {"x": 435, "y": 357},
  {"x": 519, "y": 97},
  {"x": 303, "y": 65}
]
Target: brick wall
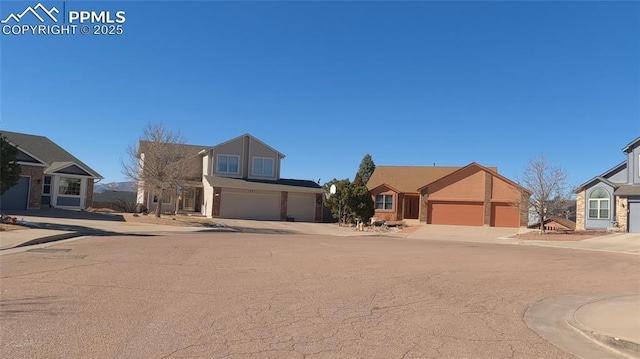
[
  {"x": 488, "y": 183},
  {"x": 37, "y": 178},
  {"x": 580, "y": 211},
  {"x": 622, "y": 207},
  {"x": 217, "y": 196}
]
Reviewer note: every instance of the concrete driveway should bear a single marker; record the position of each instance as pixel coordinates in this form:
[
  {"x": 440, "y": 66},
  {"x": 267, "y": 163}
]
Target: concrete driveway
[{"x": 238, "y": 295}]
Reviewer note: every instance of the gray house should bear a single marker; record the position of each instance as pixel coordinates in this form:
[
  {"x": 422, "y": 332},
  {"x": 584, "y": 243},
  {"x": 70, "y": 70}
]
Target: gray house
[{"x": 611, "y": 200}]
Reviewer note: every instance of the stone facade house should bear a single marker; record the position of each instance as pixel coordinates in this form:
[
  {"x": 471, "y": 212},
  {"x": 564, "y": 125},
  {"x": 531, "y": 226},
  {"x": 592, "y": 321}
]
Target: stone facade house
[{"x": 611, "y": 200}]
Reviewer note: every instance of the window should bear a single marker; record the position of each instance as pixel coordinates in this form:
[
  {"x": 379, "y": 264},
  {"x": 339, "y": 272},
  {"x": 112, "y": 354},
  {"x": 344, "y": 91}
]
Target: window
[
  {"x": 384, "y": 201},
  {"x": 228, "y": 164},
  {"x": 599, "y": 204},
  {"x": 262, "y": 166},
  {"x": 46, "y": 187},
  {"x": 69, "y": 186},
  {"x": 165, "y": 199}
]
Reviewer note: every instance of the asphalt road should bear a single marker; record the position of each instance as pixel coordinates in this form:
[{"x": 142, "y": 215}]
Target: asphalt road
[{"x": 226, "y": 295}]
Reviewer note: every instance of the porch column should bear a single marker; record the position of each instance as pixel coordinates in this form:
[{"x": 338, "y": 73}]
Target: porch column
[
  {"x": 424, "y": 206},
  {"x": 217, "y": 196}
]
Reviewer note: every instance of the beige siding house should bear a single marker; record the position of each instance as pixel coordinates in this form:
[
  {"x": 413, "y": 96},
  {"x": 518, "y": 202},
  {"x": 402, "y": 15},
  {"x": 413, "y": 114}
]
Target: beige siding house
[{"x": 240, "y": 178}]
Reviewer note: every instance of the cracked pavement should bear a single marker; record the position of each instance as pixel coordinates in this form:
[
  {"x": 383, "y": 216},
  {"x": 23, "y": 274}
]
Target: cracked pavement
[{"x": 240, "y": 295}]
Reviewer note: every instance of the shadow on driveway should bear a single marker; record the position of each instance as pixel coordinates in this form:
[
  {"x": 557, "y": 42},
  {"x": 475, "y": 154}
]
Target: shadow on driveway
[{"x": 64, "y": 213}]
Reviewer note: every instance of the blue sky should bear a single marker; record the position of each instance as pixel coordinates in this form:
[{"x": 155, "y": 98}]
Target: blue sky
[{"x": 411, "y": 83}]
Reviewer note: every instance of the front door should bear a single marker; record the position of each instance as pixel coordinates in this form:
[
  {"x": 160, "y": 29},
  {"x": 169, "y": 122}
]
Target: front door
[
  {"x": 411, "y": 207},
  {"x": 188, "y": 199}
]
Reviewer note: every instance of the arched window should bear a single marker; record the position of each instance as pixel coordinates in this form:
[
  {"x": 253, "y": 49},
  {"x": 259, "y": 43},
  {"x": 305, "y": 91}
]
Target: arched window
[{"x": 599, "y": 204}]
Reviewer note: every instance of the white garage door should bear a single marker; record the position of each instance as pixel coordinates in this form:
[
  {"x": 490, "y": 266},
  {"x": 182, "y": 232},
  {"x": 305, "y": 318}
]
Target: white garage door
[
  {"x": 301, "y": 207},
  {"x": 243, "y": 204}
]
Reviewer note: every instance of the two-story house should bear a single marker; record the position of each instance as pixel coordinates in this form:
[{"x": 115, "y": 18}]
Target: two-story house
[
  {"x": 240, "y": 178},
  {"x": 612, "y": 199}
]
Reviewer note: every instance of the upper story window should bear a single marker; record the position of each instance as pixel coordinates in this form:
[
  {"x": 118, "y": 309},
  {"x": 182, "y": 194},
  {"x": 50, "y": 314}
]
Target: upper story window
[
  {"x": 262, "y": 166},
  {"x": 227, "y": 164},
  {"x": 69, "y": 186},
  {"x": 384, "y": 201},
  {"x": 599, "y": 204}
]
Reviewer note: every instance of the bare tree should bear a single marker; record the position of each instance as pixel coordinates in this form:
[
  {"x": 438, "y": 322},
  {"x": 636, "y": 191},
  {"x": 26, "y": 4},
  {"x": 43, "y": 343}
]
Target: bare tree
[
  {"x": 548, "y": 186},
  {"x": 160, "y": 162}
]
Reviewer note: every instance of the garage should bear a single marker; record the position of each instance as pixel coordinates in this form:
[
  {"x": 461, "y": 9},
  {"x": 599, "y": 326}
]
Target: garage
[
  {"x": 16, "y": 197},
  {"x": 456, "y": 213},
  {"x": 301, "y": 207},
  {"x": 634, "y": 217},
  {"x": 250, "y": 204},
  {"x": 504, "y": 215}
]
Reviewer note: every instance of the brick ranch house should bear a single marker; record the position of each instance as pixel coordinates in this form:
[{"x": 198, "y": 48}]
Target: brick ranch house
[
  {"x": 472, "y": 195},
  {"x": 49, "y": 176},
  {"x": 240, "y": 178}
]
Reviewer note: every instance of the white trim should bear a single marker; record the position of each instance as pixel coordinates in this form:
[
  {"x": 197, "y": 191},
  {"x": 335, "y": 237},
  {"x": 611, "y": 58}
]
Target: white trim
[
  {"x": 273, "y": 165},
  {"x": 599, "y": 206},
  {"x": 27, "y": 152},
  {"x": 55, "y": 193},
  {"x": 227, "y": 172},
  {"x": 31, "y": 164},
  {"x": 71, "y": 163}
]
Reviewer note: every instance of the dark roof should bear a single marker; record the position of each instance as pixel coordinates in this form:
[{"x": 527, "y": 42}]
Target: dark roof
[
  {"x": 45, "y": 150},
  {"x": 627, "y": 190},
  {"x": 283, "y": 184},
  {"x": 631, "y": 145}
]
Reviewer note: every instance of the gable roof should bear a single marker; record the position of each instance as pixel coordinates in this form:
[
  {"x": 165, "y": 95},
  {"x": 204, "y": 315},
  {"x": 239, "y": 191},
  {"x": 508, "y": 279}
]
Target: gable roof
[
  {"x": 482, "y": 168},
  {"x": 631, "y": 145},
  {"x": 407, "y": 179},
  {"x": 45, "y": 150},
  {"x": 603, "y": 177},
  {"x": 562, "y": 221},
  {"x": 253, "y": 138}
]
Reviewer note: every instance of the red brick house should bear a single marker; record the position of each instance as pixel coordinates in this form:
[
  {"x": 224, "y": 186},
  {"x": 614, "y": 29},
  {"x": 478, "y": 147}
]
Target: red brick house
[{"x": 472, "y": 195}]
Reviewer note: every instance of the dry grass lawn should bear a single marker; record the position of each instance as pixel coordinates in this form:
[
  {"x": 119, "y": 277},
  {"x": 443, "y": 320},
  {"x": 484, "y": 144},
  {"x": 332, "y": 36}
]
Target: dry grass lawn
[
  {"x": 9, "y": 227},
  {"x": 169, "y": 220}
]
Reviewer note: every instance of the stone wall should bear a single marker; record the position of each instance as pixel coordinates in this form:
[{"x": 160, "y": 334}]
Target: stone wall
[
  {"x": 622, "y": 208},
  {"x": 580, "y": 206}
]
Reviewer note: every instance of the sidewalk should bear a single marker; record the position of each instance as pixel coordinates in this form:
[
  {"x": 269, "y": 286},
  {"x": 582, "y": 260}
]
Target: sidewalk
[
  {"x": 614, "y": 322},
  {"x": 590, "y": 326}
]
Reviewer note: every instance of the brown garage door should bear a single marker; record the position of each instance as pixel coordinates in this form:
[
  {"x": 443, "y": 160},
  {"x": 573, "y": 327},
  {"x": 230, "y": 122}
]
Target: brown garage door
[
  {"x": 504, "y": 215},
  {"x": 459, "y": 213}
]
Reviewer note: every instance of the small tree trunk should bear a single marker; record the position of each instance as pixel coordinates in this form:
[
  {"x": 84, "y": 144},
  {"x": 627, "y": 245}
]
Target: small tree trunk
[{"x": 159, "y": 208}]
